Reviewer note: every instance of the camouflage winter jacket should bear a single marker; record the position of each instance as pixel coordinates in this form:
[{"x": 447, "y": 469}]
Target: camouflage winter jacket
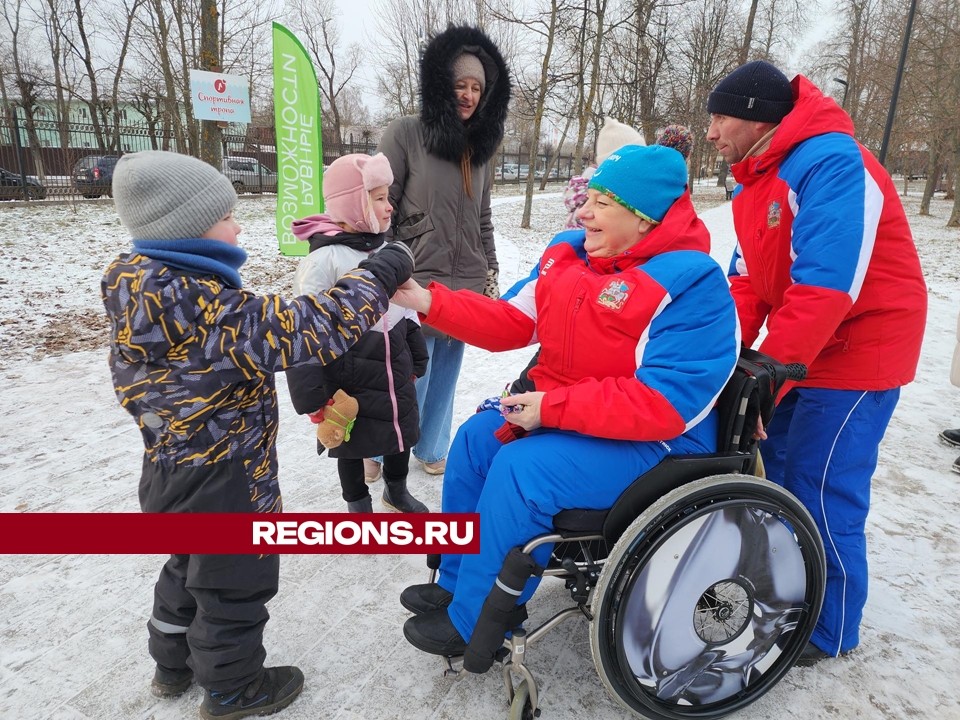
[{"x": 193, "y": 360}]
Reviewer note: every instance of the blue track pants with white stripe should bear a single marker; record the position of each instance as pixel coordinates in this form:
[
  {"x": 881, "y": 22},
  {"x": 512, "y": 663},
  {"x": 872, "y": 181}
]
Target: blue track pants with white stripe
[
  {"x": 517, "y": 488},
  {"x": 823, "y": 446}
]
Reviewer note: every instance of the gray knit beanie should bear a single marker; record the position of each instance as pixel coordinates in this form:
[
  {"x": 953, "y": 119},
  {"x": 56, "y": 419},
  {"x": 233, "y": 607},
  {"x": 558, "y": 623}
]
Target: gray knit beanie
[
  {"x": 163, "y": 195},
  {"x": 468, "y": 65}
]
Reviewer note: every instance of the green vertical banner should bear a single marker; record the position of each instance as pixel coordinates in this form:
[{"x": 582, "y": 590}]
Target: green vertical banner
[{"x": 296, "y": 103}]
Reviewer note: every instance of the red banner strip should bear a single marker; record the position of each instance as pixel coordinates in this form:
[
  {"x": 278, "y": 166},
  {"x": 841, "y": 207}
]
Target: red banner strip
[{"x": 238, "y": 533}]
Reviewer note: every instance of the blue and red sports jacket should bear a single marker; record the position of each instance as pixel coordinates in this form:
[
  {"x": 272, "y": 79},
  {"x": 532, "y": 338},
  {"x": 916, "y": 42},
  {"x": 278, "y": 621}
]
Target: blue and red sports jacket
[
  {"x": 825, "y": 255},
  {"x": 634, "y": 347}
]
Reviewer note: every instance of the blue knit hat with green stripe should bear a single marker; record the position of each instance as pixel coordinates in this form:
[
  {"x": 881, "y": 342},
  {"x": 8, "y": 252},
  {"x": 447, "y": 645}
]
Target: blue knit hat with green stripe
[{"x": 646, "y": 180}]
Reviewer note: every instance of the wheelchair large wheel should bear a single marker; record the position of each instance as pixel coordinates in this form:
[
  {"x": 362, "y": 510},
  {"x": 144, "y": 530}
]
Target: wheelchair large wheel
[{"x": 707, "y": 599}]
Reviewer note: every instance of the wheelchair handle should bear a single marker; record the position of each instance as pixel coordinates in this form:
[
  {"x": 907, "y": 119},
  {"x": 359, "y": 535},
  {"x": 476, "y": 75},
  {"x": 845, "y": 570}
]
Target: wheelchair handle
[{"x": 796, "y": 371}]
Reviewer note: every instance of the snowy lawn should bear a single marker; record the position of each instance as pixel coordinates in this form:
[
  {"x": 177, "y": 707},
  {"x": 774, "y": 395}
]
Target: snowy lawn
[{"x": 72, "y": 628}]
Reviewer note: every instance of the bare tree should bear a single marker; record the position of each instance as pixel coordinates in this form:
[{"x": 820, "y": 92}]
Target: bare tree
[
  {"x": 320, "y": 31},
  {"x": 637, "y": 57},
  {"x": 544, "y": 26},
  {"x": 405, "y": 27},
  {"x": 595, "y": 11},
  {"x": 704, "y": 53},
  {"x": 211, "y": 131},
  {"x": 54, "y": 15},
  {"x": 27, "y": 78}
]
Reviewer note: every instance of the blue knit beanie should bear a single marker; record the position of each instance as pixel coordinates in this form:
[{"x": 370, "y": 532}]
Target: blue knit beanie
[
  {"x": 646, "y": 180},
  {"x": 756, "y": 91}
]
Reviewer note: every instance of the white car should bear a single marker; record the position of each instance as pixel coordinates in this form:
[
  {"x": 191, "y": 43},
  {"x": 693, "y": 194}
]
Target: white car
[
  {"x": 509, "y": 171},
  {"x": 249, "y": 175}
]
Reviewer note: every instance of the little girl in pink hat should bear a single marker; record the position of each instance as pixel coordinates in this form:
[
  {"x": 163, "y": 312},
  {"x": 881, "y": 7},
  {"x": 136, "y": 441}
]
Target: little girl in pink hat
[{"x": 380, "y": 370}]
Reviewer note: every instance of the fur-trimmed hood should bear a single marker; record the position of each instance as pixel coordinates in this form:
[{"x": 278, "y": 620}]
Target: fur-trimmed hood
[{"x": 445, "y": 134}]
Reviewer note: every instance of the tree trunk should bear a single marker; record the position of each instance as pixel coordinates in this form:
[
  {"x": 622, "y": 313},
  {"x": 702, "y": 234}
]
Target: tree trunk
[
  {"x": 86, "y": 57},
  {"x": 552, "y": 160},
  {"x": 954, "y": 220},
  {"x": 748, "y": 32},
  {"x": 538, "y": 115},
  {"x": 933, "y": 173},
  {"x": 211, "y": 131}
]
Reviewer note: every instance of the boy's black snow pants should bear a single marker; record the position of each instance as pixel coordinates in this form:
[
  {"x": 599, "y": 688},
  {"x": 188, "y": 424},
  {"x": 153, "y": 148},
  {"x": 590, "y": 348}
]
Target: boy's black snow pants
[{"x": 209, "y": 611}]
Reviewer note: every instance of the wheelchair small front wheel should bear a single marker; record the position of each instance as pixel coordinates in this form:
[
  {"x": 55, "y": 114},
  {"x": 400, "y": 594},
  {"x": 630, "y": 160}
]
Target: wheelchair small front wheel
[
  {"x": 521, "y": 708},
  {"x": 707, "y": 599}
]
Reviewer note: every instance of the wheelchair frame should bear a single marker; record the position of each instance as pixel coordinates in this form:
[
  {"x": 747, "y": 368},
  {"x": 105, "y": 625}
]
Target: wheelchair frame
[{"x": 671, "y": 487}]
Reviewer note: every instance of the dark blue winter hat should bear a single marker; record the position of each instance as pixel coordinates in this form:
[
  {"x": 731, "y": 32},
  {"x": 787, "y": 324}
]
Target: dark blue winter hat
[
  {"x": 756, "y": 91},
  {"x": 646, "y": 180}
]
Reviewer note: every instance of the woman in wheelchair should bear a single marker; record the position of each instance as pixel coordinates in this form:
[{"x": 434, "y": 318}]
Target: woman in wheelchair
[{"x": 638, "y": 335}]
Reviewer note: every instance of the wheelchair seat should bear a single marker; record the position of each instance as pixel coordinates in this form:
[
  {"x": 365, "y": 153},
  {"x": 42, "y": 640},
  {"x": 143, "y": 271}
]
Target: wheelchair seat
[{"x": 748, "y": 394}]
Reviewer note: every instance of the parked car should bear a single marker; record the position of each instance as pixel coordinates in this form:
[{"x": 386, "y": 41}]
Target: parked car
[
  {"x": 507, "y": 171},
  {"x": 93, "y": 175},
  {"x": 249, "y": 175},
  {"x": 11, "y": 187},
  {"x": 554, "y": 174}
]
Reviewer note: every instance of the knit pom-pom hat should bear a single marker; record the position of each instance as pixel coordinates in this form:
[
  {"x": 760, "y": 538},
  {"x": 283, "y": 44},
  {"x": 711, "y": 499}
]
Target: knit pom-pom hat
[
  {"x": 756, "y": 91},
  {"x": 346, "y": 189},
  {"x": 678, "y": 137},
  {"x": 645, "y": 180}
]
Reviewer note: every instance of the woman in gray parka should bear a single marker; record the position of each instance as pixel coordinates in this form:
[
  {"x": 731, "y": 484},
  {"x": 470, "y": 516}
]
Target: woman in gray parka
[{"x": 441, "y": 195}]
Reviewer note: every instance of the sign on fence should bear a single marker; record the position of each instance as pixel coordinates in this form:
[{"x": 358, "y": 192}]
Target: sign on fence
[
  {"x": 296, "y": 108},
  {"x": 220, "y": 97}
]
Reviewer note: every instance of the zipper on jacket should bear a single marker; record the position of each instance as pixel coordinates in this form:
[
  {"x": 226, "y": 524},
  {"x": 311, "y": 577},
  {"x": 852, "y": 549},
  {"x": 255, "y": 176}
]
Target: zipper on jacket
[
  {"x": 569, "y": 334},
  {"x": 390, "y": 384},
  {"x": 456, "y": 270}
]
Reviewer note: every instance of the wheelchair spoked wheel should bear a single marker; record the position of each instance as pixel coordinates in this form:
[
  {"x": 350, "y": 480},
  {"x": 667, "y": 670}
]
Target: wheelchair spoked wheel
[{"x": 707, "y": 599}]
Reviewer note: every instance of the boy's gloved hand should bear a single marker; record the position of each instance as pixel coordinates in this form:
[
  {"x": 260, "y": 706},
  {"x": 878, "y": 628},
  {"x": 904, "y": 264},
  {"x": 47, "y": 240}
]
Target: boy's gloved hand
[{"x": 391, "y": 265}]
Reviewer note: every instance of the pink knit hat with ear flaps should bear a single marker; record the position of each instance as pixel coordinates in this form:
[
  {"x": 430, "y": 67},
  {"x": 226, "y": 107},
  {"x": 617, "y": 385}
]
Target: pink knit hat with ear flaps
[{"x": 346, "y": 189}]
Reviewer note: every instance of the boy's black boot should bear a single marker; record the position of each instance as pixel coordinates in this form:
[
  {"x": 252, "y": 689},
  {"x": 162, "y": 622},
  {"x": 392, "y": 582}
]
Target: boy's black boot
[
  {"x": 270, "y": 692},
  {"x": 397, "y": 498},
  {"x": 169, "y": 683}
]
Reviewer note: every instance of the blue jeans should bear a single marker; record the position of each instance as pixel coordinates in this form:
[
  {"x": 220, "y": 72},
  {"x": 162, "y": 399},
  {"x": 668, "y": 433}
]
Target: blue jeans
[
  {"x": 822, "y": 446},
  {"x": 435, "y": 391},
  {"x": 517, "y": 488}
]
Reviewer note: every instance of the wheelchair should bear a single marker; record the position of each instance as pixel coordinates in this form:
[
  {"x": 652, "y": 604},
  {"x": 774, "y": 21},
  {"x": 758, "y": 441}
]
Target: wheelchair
[{"x": 701, "y": 585}]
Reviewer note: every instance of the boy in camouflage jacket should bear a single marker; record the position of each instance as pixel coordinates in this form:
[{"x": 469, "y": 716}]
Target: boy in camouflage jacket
[{"x": 193, "y": 357}]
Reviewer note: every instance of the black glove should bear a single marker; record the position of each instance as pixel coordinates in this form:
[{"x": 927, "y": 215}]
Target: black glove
[{"x": 391, "y": 265}]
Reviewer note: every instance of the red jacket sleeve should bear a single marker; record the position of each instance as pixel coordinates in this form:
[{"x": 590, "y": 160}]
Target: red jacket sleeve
[{"x": 494, "y": 325}]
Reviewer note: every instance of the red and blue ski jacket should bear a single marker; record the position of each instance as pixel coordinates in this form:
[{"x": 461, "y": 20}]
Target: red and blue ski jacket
[
  {"x": 825, "y": 255},
  {"x": 634, "y": 347}
]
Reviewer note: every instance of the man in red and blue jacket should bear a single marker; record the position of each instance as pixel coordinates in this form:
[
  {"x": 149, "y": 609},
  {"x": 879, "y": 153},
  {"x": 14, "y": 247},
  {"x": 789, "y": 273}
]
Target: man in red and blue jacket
[{"x": 826, "y": 259}]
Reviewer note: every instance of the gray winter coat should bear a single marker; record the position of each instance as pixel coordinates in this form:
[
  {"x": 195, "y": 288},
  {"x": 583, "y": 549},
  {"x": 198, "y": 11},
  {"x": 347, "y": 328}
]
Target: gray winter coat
[{"x": 449, "y": 232}]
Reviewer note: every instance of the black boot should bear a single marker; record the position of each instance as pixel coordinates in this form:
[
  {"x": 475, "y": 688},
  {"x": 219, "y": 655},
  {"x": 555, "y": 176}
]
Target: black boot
[
  {"x": 951, "y": 437},
  {"x": 168, "y": 683},
  {"x": 270, "y": 692},
  {"x": 433, "y": 633},
  {"x": 396, "y": 497},
  {"x": 364, "y": 505},
  {"x": 425, "y": 597}
]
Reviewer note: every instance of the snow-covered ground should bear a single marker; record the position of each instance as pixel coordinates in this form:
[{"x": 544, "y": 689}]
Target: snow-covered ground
[{"x": 72, "y": 628}]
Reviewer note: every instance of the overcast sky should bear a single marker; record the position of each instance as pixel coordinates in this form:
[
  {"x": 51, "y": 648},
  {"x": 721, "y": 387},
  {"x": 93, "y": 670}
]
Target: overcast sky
[{"x": 358, "y": 23}]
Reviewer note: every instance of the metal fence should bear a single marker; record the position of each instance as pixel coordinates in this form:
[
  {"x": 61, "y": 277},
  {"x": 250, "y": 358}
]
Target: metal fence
[{"x": 50, "y": 160}]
